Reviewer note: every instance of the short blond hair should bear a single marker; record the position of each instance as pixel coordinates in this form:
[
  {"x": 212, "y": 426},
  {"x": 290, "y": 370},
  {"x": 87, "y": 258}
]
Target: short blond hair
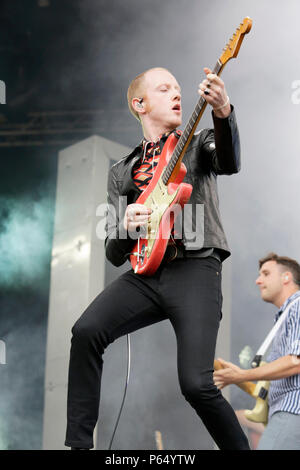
[{"x": 136, "y": 89}]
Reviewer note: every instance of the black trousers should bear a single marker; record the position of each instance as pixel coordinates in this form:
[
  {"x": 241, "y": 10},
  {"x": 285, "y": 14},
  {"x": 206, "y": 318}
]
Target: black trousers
[{"x": 188, "y": 293}]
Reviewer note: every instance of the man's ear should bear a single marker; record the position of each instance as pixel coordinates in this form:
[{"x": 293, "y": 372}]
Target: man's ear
[{"x": 138, "y": 106}]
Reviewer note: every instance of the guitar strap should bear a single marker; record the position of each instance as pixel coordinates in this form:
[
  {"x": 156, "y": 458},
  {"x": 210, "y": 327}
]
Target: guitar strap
[{"x": 265, "y": 345}]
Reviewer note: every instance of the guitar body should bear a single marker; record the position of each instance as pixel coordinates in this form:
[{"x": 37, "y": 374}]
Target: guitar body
[
  {"x": 260, "y": 412},
  {"x": 166, "y": 202}
]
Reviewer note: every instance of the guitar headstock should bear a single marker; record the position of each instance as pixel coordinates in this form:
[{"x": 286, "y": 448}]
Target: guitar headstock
[{"x": 232, "y": 48}]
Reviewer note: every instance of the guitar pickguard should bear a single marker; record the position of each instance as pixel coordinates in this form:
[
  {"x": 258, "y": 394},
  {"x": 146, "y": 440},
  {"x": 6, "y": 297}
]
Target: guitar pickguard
[{"x": 159, "y": 201}]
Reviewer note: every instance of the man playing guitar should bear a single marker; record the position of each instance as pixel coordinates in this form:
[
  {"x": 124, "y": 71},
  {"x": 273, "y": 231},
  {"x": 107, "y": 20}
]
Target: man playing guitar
[
  {"x": 279, "y": 284},
  {"x": 186, "y": 288}
]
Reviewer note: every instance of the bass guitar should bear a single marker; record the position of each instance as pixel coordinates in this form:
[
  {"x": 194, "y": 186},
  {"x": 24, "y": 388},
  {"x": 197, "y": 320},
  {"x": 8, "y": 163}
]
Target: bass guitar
[
  {"x": 166, "y": 194},
  {"x": 259, "y": 391}
]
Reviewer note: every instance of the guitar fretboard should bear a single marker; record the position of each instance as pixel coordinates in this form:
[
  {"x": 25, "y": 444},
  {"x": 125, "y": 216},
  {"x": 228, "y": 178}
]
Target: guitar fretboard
[{"x": 188, "y": 132}]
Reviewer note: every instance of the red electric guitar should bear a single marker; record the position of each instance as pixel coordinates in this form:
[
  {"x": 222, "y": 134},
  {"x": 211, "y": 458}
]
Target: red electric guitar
[{"x": 166, "y": 194}]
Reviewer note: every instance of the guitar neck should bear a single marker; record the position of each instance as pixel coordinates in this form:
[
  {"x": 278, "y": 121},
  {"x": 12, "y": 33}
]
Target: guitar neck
[
  {"x": 248, "y": 387},
  {"x": 173, "y": 165},
  {"x": 231, "y": 50}
]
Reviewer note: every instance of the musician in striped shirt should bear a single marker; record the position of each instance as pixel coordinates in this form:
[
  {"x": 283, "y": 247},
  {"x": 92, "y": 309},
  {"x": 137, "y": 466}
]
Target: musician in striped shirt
[{"x": 279, "y": 284}]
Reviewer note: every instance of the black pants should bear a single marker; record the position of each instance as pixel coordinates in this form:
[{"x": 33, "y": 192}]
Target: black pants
[{"x": 188, "y": 293}]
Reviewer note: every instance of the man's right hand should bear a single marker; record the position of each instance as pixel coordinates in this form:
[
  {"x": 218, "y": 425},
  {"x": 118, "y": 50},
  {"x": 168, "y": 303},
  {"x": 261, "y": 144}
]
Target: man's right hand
[
  {"x": 229, "y": 374},
  {"x": 136, "y": 215}
]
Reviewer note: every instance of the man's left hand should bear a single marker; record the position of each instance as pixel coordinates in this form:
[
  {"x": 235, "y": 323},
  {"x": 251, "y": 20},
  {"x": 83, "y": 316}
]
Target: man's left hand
[{"x": 212, "y": 89}]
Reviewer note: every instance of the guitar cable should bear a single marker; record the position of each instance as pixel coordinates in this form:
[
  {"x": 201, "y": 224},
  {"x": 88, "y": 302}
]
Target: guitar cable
[{"x": 125, "y": 390}]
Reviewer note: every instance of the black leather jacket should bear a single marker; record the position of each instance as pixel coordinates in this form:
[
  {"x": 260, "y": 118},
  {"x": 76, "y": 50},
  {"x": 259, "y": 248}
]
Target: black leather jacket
[{"x": 211, "y": 152}]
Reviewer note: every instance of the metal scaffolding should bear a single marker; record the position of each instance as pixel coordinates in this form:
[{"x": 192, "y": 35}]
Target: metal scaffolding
[{"x": 61, "y": 128}]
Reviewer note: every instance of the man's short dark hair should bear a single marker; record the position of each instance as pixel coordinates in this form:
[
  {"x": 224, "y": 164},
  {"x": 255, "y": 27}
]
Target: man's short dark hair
[{"x": 289, "y": 264}]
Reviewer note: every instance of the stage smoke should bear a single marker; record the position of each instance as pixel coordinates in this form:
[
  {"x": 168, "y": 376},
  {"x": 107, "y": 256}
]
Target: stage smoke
[{"x": 25, "y": 241}]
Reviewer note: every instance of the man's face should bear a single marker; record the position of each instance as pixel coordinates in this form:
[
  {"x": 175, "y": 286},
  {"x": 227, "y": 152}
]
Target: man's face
[
  {"x": 270, "y": 281},
  {"x": 163, "y": 99}
]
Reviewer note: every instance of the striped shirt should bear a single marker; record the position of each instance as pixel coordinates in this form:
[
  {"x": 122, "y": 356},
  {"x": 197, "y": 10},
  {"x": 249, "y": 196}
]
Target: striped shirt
[{"x": 284, "y": 394}]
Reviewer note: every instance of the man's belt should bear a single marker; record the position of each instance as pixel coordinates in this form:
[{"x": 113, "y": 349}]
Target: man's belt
[{"x": 176, "y": 251}]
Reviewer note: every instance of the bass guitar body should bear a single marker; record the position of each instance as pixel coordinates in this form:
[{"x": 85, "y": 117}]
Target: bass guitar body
[
  {"x": 260, "y": 412},
  {"x": 259, "y": 391},
  {"x": 166, "y": 202}
]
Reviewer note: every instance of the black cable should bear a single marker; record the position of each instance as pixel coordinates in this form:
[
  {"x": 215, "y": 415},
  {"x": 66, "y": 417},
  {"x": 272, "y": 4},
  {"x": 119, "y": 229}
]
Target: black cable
[{"x": 126, "y": 386}]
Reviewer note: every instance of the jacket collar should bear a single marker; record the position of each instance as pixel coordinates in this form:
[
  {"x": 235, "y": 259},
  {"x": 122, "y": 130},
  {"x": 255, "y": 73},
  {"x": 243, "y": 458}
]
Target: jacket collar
[
  {"x": 162, "y": 139},
  {"x": 133, "y": 157}
]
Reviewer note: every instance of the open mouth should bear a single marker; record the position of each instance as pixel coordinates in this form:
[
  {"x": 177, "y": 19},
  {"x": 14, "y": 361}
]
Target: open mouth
[{"x": 176, "y": 107}]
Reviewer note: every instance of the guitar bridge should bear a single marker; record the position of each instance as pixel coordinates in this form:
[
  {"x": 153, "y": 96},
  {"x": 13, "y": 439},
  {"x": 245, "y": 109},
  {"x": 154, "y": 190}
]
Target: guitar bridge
[{"x": 140, "y": 255}]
